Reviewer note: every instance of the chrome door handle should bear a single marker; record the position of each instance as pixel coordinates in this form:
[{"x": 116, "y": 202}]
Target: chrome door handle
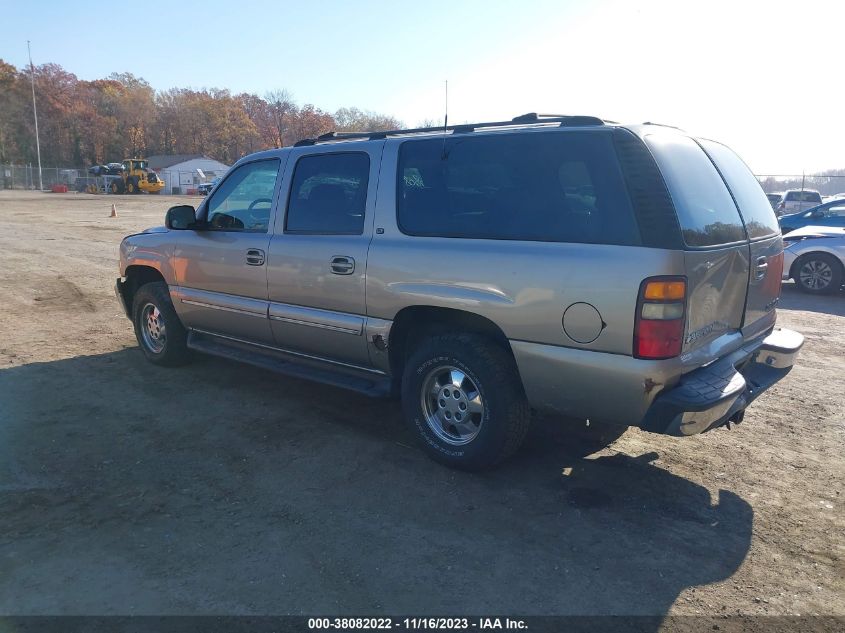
[
  {"x": 762, "y": 263},
  {"x": 342, "y": 265},
  {"x": 255, "y": 257}
]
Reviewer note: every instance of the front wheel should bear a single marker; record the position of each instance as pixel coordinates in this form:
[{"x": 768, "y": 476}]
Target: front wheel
[
  {"x": 819, "y": 273},
  {"x": 463, "y": 398},
  {"x": 160, "y": 333}
]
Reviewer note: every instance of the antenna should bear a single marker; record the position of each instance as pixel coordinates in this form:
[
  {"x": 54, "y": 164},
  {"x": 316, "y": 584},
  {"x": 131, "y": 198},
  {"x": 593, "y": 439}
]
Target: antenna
[
  {"x": 445, "y": 122},
  {"x": 35, "y": 114},
  {"x": 446, "y": 116}
]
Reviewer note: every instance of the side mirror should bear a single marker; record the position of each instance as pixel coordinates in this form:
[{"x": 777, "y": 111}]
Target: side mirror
[{"x": 180, "y": 217}]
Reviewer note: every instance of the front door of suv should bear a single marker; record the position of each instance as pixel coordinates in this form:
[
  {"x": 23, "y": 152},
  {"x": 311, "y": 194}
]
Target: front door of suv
[
  {"x": 318, "y": 253},
  {"x": 221, "y": 268}
]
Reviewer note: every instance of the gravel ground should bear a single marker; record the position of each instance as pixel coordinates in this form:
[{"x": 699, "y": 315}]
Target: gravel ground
[{"x": 218, "y": 489}]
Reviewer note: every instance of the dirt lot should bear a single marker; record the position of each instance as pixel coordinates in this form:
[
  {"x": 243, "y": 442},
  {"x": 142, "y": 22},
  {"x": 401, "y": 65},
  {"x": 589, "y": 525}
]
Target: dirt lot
[{"x": 216, "y": 488}]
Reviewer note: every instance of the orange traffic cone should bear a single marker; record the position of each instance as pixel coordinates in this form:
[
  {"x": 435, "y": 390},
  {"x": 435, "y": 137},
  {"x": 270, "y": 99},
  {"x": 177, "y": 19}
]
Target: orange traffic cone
[{"x": 113, "y": 211}]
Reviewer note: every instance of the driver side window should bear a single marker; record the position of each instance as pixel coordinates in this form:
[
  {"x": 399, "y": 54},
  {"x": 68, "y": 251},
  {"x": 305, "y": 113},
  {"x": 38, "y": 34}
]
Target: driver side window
[{"x": 242, "y": 202}]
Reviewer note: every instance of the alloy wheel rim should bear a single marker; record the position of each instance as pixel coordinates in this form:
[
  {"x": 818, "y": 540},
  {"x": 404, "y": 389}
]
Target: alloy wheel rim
[
  {"x": 452, "y": 405},
  {"x": 816, "y": 274},
  {"x": 153, "y": 329}
]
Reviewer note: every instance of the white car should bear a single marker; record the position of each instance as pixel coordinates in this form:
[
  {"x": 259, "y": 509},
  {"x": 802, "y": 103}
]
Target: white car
[
  {"x": 814, "y": 256},
  {"x": 797, "y": 200}
]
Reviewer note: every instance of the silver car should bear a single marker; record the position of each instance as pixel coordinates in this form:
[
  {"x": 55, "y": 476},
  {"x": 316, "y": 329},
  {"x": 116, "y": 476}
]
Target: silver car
[
  {"x": 797, "y": 200},
  {"x": 814, "y": 256},
  {"x": 616, "y": 275}
]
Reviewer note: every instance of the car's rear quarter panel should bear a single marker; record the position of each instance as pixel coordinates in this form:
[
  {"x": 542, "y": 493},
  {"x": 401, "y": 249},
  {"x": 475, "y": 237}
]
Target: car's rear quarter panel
[{"x": 525, "y": 288}]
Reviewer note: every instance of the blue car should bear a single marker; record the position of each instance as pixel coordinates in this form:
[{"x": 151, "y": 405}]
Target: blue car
[{"x": 830, "y": 213}]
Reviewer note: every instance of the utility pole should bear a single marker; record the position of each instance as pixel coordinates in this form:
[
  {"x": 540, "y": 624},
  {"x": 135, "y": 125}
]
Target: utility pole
[{"x": 35, "y": 114}]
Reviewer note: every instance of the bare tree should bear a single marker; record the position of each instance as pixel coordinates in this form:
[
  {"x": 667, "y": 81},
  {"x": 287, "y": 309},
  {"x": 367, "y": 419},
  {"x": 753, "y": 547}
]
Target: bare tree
[
  {"x": 281, "y": 108},
  {"x": 356, "y": 120}
]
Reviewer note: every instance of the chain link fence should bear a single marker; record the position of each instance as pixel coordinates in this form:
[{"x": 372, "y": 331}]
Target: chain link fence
[
  {"x": 78, "y": 179},
  {"x": 188, "y": 182},
  {"x": 26, "y": 176},
  {"x": 825, "y": 185}
]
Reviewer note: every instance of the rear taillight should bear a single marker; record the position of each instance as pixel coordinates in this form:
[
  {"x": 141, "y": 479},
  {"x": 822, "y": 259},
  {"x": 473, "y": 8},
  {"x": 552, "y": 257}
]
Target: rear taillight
[
  {"x": 776, "y": 265},
  {"x": 774, "y": 275},
  {"x": 659, "y": 323}
]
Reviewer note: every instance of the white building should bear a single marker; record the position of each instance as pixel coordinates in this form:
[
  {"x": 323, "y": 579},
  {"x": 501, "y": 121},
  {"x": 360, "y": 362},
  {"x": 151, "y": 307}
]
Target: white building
[{"x": 179, "y": 171}]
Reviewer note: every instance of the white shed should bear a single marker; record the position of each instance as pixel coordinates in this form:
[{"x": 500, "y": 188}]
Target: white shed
[{"x": 179, "y": 171}]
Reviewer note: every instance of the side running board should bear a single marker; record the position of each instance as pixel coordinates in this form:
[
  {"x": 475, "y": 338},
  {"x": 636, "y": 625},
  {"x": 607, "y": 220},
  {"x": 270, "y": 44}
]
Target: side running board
[{"x": 374, "y": 385}]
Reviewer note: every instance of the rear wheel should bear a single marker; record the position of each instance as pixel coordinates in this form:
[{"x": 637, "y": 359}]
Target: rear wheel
[
  {"x": 818, "y": 273},
  {"x": 158, "y": 329},
  {"x": 463, "y": 399},
  {"x": 132, "y": 186},
  {"x": 116, "y": 186}
]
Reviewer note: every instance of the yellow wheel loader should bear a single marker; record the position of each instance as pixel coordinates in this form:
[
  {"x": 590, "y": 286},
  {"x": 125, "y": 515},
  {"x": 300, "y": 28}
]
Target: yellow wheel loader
[{"x": 135, "y": 177}]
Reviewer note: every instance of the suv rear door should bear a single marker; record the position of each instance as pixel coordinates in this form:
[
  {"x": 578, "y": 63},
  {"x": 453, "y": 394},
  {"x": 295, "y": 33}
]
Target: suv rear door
[
  {"x": 716, "y": 254},
  {"x": 318, "y": 253},
  {"x": 765, "y": 242}
]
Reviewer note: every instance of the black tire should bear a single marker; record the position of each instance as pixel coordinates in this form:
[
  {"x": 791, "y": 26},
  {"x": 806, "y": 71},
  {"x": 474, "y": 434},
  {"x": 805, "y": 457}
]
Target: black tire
[
  {"x": 132, "y": 186},
  {"x": 822, "y": 284},
  {"x": 505, "y": 415},
  {"x": 173, "y": 350},
  {"x": 116, "y": 187}
]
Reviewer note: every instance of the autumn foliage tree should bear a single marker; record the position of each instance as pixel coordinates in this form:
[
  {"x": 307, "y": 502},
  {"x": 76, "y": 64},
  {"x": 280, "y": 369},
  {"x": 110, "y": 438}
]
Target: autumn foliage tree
[{"x": 90, "y": 122}]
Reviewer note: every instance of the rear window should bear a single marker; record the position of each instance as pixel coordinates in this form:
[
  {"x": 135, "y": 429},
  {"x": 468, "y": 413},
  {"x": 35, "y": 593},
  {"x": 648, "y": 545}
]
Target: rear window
[
  {"x": 804, "y": 196},
  {"x": 760, "y": 220},
  {"x": 706, "y": 210},
  {"x": 551, "y": 187}
]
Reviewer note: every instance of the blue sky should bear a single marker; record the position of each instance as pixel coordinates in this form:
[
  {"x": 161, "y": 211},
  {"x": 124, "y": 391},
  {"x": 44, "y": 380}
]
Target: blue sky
[{"x": 737, "y": 71}]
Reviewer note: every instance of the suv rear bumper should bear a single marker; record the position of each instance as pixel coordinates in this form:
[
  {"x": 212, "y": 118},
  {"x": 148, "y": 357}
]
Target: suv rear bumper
[
  {"x": 658, "y": 396},
  {"x": 716, "y": 394}
]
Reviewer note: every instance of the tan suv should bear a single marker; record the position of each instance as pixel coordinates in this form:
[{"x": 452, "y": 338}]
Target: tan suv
[{"x": 626, "y": 275}]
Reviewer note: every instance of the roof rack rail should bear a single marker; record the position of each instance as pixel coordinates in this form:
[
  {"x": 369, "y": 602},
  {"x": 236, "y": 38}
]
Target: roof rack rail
[
  {"x": 531, "y": 118},
  {"x": 674, "y": 127}
]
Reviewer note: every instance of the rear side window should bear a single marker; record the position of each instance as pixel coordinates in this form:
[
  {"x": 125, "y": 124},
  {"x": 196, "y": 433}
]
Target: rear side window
[
  {"x": 329, "y": 194},
  {"x": 551, "y": 187},
  {"x": 760, "y": 220},
  {"x": 706, "y": 211}
]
